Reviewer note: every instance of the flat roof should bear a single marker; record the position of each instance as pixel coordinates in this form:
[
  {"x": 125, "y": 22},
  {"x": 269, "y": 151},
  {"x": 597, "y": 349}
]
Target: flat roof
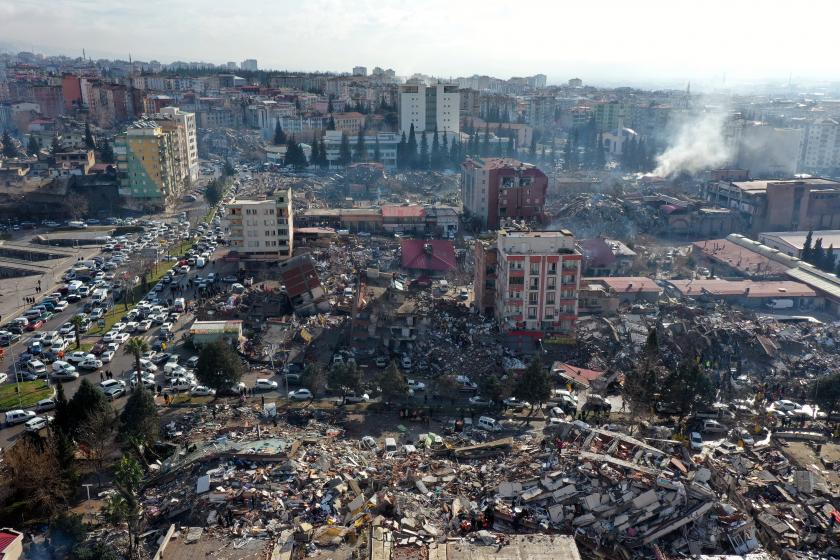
[
  {"x": 740, "y": 258},
  {"x": 797, "y": 238},
  {"x": 625, "y": 284},
  {"x": 761, "y": 186},
  {"x": 720, "y": 287}
]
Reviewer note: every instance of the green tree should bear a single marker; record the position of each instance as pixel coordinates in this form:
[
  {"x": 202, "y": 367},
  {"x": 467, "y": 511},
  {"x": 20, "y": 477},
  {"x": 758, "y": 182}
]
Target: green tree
[
  {"x": 534, "y": 385},
  {"x": 491, "y": 387},
  {"x": 422, "y": 161},
  {"x": 331, "y": 123},
  {"x": 90, "y": 143},
  {"x": 392, "y": 382},
  {"x": 402, "y": 150},
  {"x": 345, "y": 376},
  {"x": 136, "y": 347},
  {"x": 434, "y": 157},
  {"x": 218, "y": 366},
  {"x": 213, "y": 192},
  {"x": 360, "y": 152},
  {"x": 139, "y": 419},
  {"x": 642, "y": 383},
  {"x": 818, "y": 253},
  {"x": 78, "y": 324},
  {"x": 279, "y": 135},
  {"x": 807, "y": 247},
  {"x": 825, "y": 392},
  {"x": 228, "y": 170},
  {"x": 344, "y": 155},
  {"x": 125, "y": 505},
  {"x": 687, "y": 388},
  {"x": 107, "y": 152},
  {"x": 33, "y": 147},
  {"x": 87, "y": 400},
  {"x": 314, "y": 378},
  {"x": 411, "y": 148},
  {"x": 9, "y": 148}
]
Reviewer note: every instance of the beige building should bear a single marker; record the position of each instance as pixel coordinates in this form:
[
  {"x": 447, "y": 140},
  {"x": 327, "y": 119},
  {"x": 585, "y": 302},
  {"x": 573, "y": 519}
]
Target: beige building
[
  {"x": 147, "y": 165},
  {"x": 261, "y": 230},
  {"x": 182, "y": 123}
]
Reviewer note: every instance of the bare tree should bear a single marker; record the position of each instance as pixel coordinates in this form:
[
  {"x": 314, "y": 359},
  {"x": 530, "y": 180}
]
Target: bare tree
[
  {"x": 37, "y": 473},
  {"x": 96, "y": 433}
]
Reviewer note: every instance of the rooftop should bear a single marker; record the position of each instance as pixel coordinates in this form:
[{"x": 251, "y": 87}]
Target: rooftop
[
  {"x": 742, "y": 259},
  {"x": 748, "y": 288},
  {"x": 628, "y": 283},
  {"x": 756, "y": 187},
  {"x": 421, "y": 254}
]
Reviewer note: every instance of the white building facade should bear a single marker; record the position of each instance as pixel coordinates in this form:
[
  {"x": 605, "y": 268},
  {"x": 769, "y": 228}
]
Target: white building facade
[
  {"x": 427, "y": 107},
  {"x": 187, "y": 138},
  {"x": 261, "y": 230}
]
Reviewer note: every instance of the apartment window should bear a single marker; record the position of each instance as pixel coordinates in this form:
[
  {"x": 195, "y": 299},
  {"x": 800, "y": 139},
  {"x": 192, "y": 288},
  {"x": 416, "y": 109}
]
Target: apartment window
[
  {"x": 535, "y": 284},
  {"x": 549, "y": 312},
  {"x": 516, "y": 265},
  {"x": 535, "y": 268},
  {"x": 549, "y": 297},
  {"x": 552, "y": 284},
  {"x": 532, "y": 298},
  {"x": 517, "y": 281},
  {"x": 552, "y": 268},
  {"x": 532, "y": 312}
]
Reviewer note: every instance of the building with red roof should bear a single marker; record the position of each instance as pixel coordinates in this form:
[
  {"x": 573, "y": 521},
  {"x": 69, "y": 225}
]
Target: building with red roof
[
  {"x": 428, "y": 256},
  {"x": 580, "y": 377},
  {"x": 11, "y": 544},
  {"x": 494, "y": 189}
]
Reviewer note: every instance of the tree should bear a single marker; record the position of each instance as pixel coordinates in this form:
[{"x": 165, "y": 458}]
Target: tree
[
  {"x": 402, "y": 151},
  {"x": 641, "y": 384},
  {"x": 361, "y": 149},
  {"x": 87, "y": 400},
  {"x": 392, "y": 382},
  {"x": 78, "y": 324},
  {"x": 377, "y": 152},
  {"x": 331, "y": 123},
  {"x": 139, "y": 419},
  {"x": 279, "y": 135},
  {"x": 434, "y": 157},
  {"x": 314, "y": 378},
  {"x": 62, "y": 420},
  {"x": 346, "y": 376},
  {"x": 807, "y": 247},
  {"x": 687, "y": 388},
  {"x": 423, "y": 156},
  {"x": 55, "y": 146},
  {"x": 491, "y": 387},
  {"x": 218, "y": 366},
  {"x": 447, "y": 385},
  {"x": 37, "y": 474},
  {"x": 107, "y": 152},
  {"x": 826, "y": 393},
  {"x": 532, "y": 150},
  {"x": 213, "y": 192},
  {"x": 228, "y": 170},
  {"x": 9, "y": 148},
  {"x": 818, "y": 253},
  {"x": 827, "y": 264},
  {"x": 600, "y": 156},
  {"x": 90, "y": 143},
  {"x": 329, "y": 105},
  {"x": 125, "y": 505},
  {"x": 411, "y": 148},
  {"x": 344, "y": 155},
  {"x": 136, "y": 347},
  {"x": 33, "y": 146},
  {"x": 95, "y": 433},
  {"x": 534, "y": 385}
]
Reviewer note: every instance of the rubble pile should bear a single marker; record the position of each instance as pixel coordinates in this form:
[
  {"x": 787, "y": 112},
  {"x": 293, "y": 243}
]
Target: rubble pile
[
  {"x": 593, "y": 214},
  {"x": 237, "y": 477}
]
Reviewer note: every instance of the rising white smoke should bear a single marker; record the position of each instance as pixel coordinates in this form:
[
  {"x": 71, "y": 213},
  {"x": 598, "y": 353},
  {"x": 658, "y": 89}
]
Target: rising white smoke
[{"x": 698, "y": 143}]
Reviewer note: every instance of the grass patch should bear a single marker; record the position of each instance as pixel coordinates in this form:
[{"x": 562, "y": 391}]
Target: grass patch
[
  {"x": 185, "y": 397},
  {"x": 30, "y": 393},
  {"x": 86, "y": 347}
]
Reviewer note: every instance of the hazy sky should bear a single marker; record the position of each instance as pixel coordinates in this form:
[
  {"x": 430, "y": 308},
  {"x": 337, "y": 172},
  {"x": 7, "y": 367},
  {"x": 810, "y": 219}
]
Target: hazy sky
[{"x": 623, "y": 40}]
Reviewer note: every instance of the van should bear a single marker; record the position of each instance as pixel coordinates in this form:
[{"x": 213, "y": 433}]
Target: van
[
  {"x": 488, "y": 424},
  {"x": 74, "y": 286},
  {"x": 390, "y": 445},
  {"x": 99, "y": 295},
  {"x": 200, "y": 262},
  {"x": 179, "y": 305}
]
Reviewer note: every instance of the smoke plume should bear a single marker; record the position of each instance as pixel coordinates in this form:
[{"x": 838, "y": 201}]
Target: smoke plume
[{"x": 697, "y": 143}]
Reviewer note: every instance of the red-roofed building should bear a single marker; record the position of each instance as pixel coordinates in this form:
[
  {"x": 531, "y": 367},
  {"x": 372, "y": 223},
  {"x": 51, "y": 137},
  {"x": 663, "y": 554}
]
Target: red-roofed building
[
  {"x": 748, "y": 293},
  {"x": 580, "y": 378},
  {"x": 404, "y": 218},
  {"x": 428, "y": 256},
  {"x": 725, "y": 258},
  {"x": 11, "y": 544},
  {"x": 494, "y": 189}
]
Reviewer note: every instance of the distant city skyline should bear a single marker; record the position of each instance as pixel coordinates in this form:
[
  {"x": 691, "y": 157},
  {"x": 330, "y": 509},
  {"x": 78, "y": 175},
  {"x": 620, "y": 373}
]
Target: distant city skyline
[{"x": 639, "y": 43}]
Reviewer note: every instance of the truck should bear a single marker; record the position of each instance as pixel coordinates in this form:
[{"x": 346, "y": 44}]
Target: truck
[{"x": 99, "y": 295}]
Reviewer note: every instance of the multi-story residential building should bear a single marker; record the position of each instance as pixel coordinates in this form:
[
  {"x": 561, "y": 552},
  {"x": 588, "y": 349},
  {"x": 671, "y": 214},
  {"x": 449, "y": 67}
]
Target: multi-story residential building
[
  {"x": 537, "y": 283},
  {"x": 261, "y": 230},
  {"x": 494, "y": 189},
  {"x": 541, "y": 111},
  {"x": 250, "y": 64},
  {"x": 484, "y": 277},
  {"x": 183, "y": 124},
  {"x": 470, "y": 102},
  {"x": 611, "y": 115},
  {"x": 429, "y": 108},
  {"x": 147, "y": 167},
  {"x": 797, "y": 204},
  {"x": 351, "y": 122},
  {"x": 71, "y": 91},
  {"x": 50, "y": 99},
  {"x": 387, "y": 145},
  {"x": 360, "y": 71},
  {"x": 819, "y": 149}
]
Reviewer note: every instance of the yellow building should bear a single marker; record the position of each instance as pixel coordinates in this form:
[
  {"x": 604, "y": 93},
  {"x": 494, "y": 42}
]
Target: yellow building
[{"x": 147, "y": 160}]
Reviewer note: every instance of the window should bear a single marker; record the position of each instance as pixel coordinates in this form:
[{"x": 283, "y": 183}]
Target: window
[
  {"x": 552, "y": 283},
  {"x": 532, "y": 298},
  {"x": 535, "y": 268},
  {"x": 549, "y": 298},
  {"x": 516, "y": 265},
  {"x": 549, "y": 312},
  {"x": 535, "y": 284},
  {"x": 517, "y": 281},
  {"x": 552, "y": 268},
  {"x": 532, "y": 312}
]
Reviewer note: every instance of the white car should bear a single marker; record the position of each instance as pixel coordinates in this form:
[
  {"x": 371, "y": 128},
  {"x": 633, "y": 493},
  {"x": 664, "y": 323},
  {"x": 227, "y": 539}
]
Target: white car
[
  {"x": 181, "y": 384},
  {"x": 696, "y": 441},
  {"x": 147, "y": 365},
  {"x": 202, "y": 391},
  {"x": 36, "y": 424},
  {"x": 265, "y": 385},
  {"x": 148, "y": 380},
  {"x": 76, "y": 357},
  {"x": 166, "y": 328},
  {"x": 416, "y": 386},
  {"x": 113, "y": 388},
  {"x": 192, "y": 362},
  {"x": 4, "y": 377},
  {"x": 107, "y": 356},
  {"x": 480, "y": 401},
  {"x": 131, "y": 326},
  {"x": 144, "y": 325},
  {"x": 44, "y": 404},
  {"x": 110, "y": 336},
  {"x": 301, "y": 395},
  {"x": 61, "y": 305},
  {"x": 121, "y": 338},
  {"x": 90, "y": 364},
  {"x": 18, "y": 416},
  {"x": 786, "y": 405}
]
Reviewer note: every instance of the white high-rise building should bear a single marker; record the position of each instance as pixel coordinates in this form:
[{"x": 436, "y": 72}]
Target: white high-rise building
[
  {"x": 360, "y": 71},
  {"x": 428, "y": 106},
  {"x": 261, "y": 230},
  {"x": 250, "y": 64},
  {"x": 187, "y": 136}
]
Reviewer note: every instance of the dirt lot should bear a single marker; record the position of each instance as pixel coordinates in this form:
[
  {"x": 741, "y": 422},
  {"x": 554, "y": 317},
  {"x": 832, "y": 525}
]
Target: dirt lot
[{"x": 805, "y": 456}]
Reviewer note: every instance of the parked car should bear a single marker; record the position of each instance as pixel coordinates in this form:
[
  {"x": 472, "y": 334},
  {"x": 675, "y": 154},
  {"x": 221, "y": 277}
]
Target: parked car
[
  {"x": 106, "y": 356},
  {"x": 90, "y": 364},
  {"x": 202, "y": 391},
  {"x": 113, "y": 388},
  {"x": 76, "y": 357},
  {"x": 301, "y": 395},
  {"x": 786, "y": 405},
  {"x": 696, "y": 441},
  {"x": 480, "y": 401},
  {"x": 44, "y": 404},
  {"x": 18, "y": 416},
  {"x": 265, "y": 385},
  {"x": 36, "y": 424},
  {"x": 4, "y": 377},
  {"x": 713, "y": 426}
]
